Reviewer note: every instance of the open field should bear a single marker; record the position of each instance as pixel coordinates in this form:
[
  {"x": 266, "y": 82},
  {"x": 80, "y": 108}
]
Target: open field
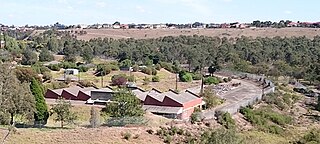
[
  {"x": 167, "y": 79},
  {"x": 155, "y": 33}
]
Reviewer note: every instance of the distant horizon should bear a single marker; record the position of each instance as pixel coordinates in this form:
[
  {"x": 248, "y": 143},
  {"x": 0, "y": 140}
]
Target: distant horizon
[
  {"x": 151, "y": 23},
  {"x": 72, "y": 12}
]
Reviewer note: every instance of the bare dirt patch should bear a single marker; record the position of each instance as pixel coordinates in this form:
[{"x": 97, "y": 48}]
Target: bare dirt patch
[{"x": 155, "y": 33}]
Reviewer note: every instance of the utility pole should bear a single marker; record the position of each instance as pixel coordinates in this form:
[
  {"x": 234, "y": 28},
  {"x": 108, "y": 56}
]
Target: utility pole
[
  {"x": 263, "y": 83},
  {"x": 101, "y": 79},
  {"x": 177, "y": 82}
]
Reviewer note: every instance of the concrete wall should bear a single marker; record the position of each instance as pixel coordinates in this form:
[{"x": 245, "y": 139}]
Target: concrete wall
[{"x": 234, "y": 108}]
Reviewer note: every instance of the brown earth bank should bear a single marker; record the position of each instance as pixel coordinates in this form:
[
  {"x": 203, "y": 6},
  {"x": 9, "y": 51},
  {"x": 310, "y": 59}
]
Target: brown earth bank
[
  {"x": 229, "y": 33},
  {"x": 102, "y": 135}
]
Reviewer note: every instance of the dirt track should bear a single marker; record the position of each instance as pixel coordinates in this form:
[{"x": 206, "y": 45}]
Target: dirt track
[{"x": 155, "y": 33}]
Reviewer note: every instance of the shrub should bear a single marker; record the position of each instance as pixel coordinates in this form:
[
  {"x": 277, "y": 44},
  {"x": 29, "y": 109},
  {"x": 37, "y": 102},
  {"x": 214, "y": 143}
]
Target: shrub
[
  {"x": 196, "y": 76},
  {"x": 131, "y": 78},
  {"x": 147, "y": 70},
  {"x": 83, "y": 68},
  {"x": 261, "y": 116},
  {"x": 313, "y": 136},
  {"x": 167, "y": 66},
  {"x": 119, "y": 80},
  {"x": 154, "y": 71},
  {"x": 168, "y": 139},
  {"x": 47, "y": 76},
  {"x": 150, "y": 131},
  {"x": 227, "y": 79},
  {"x": 185, "y": 77},
  {"x": 86, "y": 83},
  {"x": 103, "y": 69},
  {"x": 226, "y": 120},
  {"x": 211, "y": 80},
  {"x": 135, "y": 68},
  {"x": 195, "y": 117},
  {"x": 158, "y": 67},
  {"x": 127, "y": 135},
  {"x": 155, "y": 79},
  {"x": 146, "y": 81},
  {"x": 67, "y": 65},
  {"x": 54, "y": 67}
]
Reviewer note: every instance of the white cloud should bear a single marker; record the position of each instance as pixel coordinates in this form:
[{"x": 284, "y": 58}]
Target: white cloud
[
  {"x": 288, "y": 12},
  {"x": 101, "y": 4},
  {"x": 227, "y": 0},
  {"x": 140, "y": 9}
]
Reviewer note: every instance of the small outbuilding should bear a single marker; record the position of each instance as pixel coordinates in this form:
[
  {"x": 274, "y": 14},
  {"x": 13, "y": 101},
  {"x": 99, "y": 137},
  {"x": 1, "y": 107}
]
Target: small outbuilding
[{"x": 71, "y": 71}]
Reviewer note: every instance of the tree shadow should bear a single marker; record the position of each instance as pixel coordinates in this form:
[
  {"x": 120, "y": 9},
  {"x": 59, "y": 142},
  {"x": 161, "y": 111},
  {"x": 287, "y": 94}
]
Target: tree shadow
[{"x": 26, "y": 126}]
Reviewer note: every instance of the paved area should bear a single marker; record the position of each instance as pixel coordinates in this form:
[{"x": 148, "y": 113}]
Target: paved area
[
  {"x": 235, "y": 98},
  {"x": 73, "y": 102}
]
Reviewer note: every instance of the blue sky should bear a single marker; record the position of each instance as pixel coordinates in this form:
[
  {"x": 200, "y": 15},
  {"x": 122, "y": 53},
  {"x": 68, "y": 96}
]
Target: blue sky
[{"x": 44, "y": 12}]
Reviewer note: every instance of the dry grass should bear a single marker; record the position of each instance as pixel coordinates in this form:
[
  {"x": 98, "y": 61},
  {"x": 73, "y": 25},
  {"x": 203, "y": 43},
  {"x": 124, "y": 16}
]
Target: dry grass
[
  {"x": 167, "y": 79},
  {"x": 155, "y": 33},
  {"x": 81, "y": 136}
]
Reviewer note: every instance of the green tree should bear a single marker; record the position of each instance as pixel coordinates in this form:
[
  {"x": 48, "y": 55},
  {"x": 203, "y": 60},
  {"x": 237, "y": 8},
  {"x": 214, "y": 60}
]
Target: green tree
[
  {"x": 29, "y": 57},
  {"x": 211, "y": 98},
  {"x": 53, "y": 45},
  {"x": 87, "y": 54},
  {"x": 15, "y": 97},
  {"x": 26, "y": 74},
  {"x": 125, "y": 63},
  {"x": 41, "y": 114},
  {"x": 124, "y": 104},
  {"x": 45, "y": 56},
  {"x": 63, "y": 112}
]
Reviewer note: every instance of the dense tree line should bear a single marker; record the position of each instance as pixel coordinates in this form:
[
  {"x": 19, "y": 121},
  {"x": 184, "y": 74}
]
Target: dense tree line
[{"x": 294, "y": 56}]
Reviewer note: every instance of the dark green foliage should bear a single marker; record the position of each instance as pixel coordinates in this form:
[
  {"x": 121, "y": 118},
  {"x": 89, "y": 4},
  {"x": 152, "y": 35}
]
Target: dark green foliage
[
  {"x": 155, "y": 79},
  {"x": 29, "y": 57},
  {"x": 147, "y": 70},
  {"x": 311, "y": 137},
  {"x": 26, "y": 74},
  {"x": 54, "y": 67},
  {"x": 41, "y": 115},
  {"x": 211, "y": 99},
  {"x": 185, "y": 76},
  {"x": 225, "y": 119},
  {"x": 83, "y": 68},
  {"x": 220, "y": 136},
  {"x": 167, "y": 66},
  {"x": 68, "y": 65},
  {"x": 196, "y": 76},
  {"x": 40, "y": 69},
  {"x": 103, "y": 69},
  {"x": 125, "y": 104},
  {"x": 211, "y": 80},
  {"x": 260, "y": 118},
  {"x": 125, "y": 63},
  {"x": 195, "y": 117},
  {"x": 87, "y": 53},
  {"x": 45, "y": 56}
]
